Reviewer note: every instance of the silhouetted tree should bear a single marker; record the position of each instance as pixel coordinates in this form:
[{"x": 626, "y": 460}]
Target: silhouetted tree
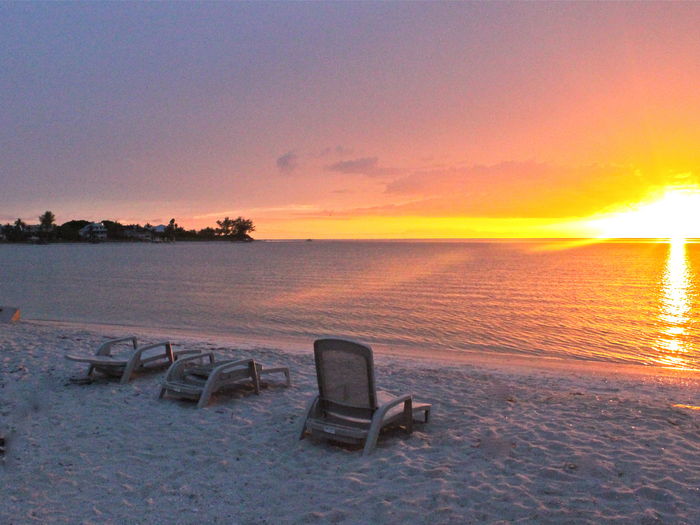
[
  {"x": 47, "y": 220},
  {"x": 115, "y": 230},
  {"x": 236, "y": 229},
  {"x": 225, "y": 227},
  {"x": 170, "y": 230},
  {"x": 16, "y": 232},
  {"x": 69, "y": 231},
  {"x": 207, "y": 233},
  {"x": 47, "y": 223},
  {"x": 10, "y": 232},
  {"x": 241, "y": 229}
]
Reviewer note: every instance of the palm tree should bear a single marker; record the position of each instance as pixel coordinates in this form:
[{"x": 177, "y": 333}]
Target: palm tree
[
  {"x": 17, "y": 232},
  {"x": 171, "y": 229}
]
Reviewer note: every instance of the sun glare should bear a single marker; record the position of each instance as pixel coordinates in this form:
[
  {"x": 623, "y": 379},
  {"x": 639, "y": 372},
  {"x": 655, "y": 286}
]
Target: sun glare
[
  {"x": 675, "y": 315},
  {"x": 675, "y": 215}
]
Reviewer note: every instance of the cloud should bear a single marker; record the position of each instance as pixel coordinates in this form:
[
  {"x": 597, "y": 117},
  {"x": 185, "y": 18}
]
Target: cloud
[
  {"x": 337, "y": 150},
  {"x": 363, "y": 166},
  {"x": 288, "y": 162}
]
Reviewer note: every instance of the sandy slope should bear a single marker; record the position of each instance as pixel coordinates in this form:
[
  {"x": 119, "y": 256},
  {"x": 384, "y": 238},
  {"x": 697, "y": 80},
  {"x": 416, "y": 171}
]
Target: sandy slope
[{"x": 504, "y": 446}]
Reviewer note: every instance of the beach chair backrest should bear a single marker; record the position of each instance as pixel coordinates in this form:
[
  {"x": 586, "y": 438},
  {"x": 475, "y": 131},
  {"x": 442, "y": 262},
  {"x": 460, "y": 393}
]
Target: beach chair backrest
[{"x": 345, "y": 373}]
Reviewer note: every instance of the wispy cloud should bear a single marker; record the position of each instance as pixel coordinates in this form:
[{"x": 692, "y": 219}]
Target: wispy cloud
[
  {"x": 510, "y": 189},
  {"x": 362, "y": 166},
  {"x": 288, "y": 162},
  {"x": 291, "y": 209},
  {"x": 337, "y": 150}
]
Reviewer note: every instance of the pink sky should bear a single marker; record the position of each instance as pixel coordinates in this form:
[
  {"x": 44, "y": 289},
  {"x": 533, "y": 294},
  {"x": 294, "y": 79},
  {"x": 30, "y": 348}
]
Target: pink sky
[{"x": 348, "y": 120}]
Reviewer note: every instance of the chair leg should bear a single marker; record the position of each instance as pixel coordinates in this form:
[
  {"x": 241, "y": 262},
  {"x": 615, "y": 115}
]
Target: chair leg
[
  {"x": 408, "y": 415},
  {"x": 309, "y": 409},
  {"x": 126, "y": 375},
  {"x": 372, "y": 435},
  {"x": 255, "y": 377},
  {"x": 209, "y": 388},
  {"x": 129, "y": 369}
]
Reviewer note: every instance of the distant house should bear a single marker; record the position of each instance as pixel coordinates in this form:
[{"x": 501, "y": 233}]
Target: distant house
[
  {"x": 32, "y": 232},
  {"x": 159, "y": 232},
  {"x": 137, "y": 233},
  {"x": 95, "y": 231}
]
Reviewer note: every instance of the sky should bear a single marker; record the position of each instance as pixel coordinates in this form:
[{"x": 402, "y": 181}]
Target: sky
[{"x": 348, "y": 120}]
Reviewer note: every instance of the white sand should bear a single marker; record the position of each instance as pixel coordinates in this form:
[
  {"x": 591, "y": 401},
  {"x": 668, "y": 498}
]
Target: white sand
[{"x": 504, "y": 445}]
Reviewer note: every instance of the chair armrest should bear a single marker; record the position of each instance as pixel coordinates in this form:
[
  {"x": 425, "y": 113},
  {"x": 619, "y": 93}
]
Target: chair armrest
[
  {"x": 179, "y": 354},
  {"x": 227, "y": 366},
  {"x": 278, "y": 370},
  {"x": 214, "y": 384},
  {"x": 407, "y": 400},
  {"x": 175, "y": 369},
  {"x": 378, "y": 420},
  {"x": 135, "y": 360},
  {"x": 167, "y": 353},
  {"x": 106, "y": 347}
]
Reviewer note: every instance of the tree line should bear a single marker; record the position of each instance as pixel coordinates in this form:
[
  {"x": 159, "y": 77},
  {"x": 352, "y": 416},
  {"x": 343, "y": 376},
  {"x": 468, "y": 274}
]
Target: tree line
[{"x": 47, "y": 230}]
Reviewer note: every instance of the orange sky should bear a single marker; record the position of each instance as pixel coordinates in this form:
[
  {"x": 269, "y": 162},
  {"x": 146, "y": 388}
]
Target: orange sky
[{"x": 349, "y": 120}]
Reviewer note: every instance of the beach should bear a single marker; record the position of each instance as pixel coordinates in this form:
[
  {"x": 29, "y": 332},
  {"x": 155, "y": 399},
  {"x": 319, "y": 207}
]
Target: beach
[
  {"x": 500, "y": 199},
  {"x": 505, "y": 444}
]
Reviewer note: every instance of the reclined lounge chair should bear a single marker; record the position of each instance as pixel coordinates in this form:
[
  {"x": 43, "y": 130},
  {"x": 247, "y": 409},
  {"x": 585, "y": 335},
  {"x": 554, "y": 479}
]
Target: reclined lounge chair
[
  {"x": 123, "y": 366},
  {"x": 348, "y": 408},
  {"x": 191, "y": 377}
]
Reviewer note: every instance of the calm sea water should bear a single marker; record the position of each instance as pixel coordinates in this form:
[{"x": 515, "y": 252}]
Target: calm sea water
[{"x": 627, "y": 302}]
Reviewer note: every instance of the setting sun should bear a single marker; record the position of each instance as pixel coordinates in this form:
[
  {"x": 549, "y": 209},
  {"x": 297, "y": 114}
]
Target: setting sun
[{"x": 674, "y": 215}]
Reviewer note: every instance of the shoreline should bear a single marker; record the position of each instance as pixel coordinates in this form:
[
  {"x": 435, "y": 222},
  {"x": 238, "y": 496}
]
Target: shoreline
[{"x": 506, "y": 362}]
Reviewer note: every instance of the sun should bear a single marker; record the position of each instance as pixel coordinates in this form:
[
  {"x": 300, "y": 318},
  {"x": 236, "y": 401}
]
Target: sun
[{"x": 674, "y": 215}]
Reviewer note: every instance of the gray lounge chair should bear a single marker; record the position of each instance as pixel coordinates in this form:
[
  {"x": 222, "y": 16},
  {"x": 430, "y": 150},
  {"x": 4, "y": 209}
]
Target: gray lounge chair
[
  {"x": 123, "y": 366},
  {"x": 348, "y": 408},
  {"x": 193, "y": 378}
]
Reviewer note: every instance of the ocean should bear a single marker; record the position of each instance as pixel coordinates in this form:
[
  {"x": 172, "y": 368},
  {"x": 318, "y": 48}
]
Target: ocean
[{"x": 616, "y": 302}]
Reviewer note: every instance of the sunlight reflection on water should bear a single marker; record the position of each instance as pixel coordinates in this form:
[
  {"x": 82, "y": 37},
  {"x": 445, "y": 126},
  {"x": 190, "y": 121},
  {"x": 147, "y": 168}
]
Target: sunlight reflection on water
[
  {"x": 675, "y": 308},
  {"x": 620, "y": 301}
]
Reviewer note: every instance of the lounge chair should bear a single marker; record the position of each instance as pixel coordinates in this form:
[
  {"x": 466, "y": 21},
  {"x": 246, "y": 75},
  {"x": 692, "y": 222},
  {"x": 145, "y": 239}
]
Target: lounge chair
[
  {"x": 194, "y": 378},
  {"x": 123, "y": 366},
  {"x": 348, "y": 408}
]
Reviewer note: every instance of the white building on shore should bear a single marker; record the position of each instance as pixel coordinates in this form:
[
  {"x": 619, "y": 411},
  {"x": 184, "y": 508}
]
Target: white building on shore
[{"x": 95, "y": 231}]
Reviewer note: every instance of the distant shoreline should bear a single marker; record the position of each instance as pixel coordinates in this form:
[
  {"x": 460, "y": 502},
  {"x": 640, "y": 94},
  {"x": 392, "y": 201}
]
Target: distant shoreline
[
  {"x": 493, "y": 240},
  {"x": 129, "y": 241}
]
